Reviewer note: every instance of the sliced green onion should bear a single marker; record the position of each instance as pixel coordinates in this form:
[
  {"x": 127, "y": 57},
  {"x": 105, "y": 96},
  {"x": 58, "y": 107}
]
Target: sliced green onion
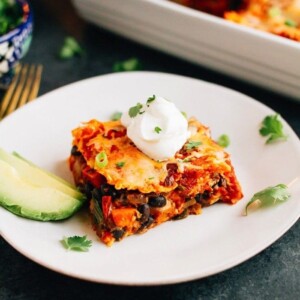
[
  {"x": 223, "y": 140},
  {"x": 101, "y": 160}
]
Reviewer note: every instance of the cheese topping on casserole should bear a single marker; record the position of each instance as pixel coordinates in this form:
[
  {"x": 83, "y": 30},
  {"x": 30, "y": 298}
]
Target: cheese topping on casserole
[{"x": 129, "y": 168}]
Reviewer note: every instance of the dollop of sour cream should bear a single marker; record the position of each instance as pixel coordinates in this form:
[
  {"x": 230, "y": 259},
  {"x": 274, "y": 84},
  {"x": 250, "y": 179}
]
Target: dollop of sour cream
[{"x": 157, "y": 128}]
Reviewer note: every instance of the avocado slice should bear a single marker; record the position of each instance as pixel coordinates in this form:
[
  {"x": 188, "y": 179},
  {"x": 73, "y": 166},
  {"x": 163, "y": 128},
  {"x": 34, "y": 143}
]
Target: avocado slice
[
  {"x": 32, "y": 200},
  {"x": 16, "y": 154},
  {"x": 36, "y": 176},
  {"x": 24, "y": 183}
]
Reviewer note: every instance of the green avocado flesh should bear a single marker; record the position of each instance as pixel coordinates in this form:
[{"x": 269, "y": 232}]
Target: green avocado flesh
[
  {"x": 30, "y": 192},
  {"x": 35, "y": 175}
]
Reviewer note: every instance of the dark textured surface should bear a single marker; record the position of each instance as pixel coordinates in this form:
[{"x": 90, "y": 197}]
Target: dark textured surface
[{"x": 272, "y": 274}]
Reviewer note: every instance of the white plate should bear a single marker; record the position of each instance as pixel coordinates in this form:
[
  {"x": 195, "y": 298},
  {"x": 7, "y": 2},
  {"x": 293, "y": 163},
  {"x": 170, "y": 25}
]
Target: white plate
[
  {"x": 192, "y": 248},
  {"x": 254, "y": 56}
]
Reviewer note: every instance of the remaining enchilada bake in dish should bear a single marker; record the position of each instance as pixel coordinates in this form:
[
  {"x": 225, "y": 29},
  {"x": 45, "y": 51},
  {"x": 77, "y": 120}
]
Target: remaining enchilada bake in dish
[
  {"x": 151, "y": 166},
  {"x": 280, "y": 17}
]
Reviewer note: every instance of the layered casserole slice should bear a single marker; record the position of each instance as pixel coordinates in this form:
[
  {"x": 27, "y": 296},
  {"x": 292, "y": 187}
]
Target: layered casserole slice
[{"x": 130, "y": 193}]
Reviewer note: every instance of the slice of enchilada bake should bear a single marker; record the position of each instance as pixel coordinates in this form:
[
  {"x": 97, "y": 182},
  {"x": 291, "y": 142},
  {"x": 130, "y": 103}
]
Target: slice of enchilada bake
[{"x": 131, "y": 191}]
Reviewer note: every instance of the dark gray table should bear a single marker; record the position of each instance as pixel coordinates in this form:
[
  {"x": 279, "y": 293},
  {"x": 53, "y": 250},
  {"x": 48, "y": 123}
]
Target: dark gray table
[{"x": 272, "y": 274}]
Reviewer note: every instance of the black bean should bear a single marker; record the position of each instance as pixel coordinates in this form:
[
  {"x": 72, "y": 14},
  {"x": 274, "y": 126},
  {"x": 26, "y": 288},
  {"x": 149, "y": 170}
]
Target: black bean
[
  {"x": 74, "y": 151},
  {"x": 206, "y": 195},
  {"x": 109, "y": 190},
  {"x": 198, "y": 198},
  {"x": 87, "y": 190},
  {"x": 118, "y": 233},
  {"x": 203, "y": 196},
  {"x": 144, "y": 209},
  {"x": 146, "y": 224},
  {"x": 81, "y": 188},
  {"x": 104, "y": 188},
  {"x": 183, "y": 215},
  {"x": 157, "y": 201}
]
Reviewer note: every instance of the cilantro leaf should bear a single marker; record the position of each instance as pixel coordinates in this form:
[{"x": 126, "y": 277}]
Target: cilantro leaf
[
  {"x": 157, "y": 129},
  {"x": 184, "y": 114},
  {"x": 77, "y": 243},
  {"x": 192, "y": 145},
  {"x": 135, "y": 110},
  {"x": 187, "y": 159},
  {"x": 10, "y": 15},
  {"x": 150, "y": 99},
  {"x": 70, "y": 48},
  {"x": 273, "y": 128},
  {"x": 131, "y": 64},
  {"x": 223, "y": 140},
  {"x": 120, "y": 164},
  {"x": 290, "y": 23},
  {"x": 116, "y": 116},
  {"x": 270, "y": 196}
]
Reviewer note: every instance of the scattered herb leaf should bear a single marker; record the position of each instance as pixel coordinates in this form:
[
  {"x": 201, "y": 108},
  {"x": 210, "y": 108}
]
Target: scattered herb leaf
[
  {"x": 273, "y": 128},
  {"x": 192, "y": 145},
  {"x": 131, "y": 64},
  {"x": 290, "y": 23},
  {"x": 150, "y": 178},
  {"x": 223, "y": 140},
  {"x": 77, "y": 243},
  {"x": 70, "y": 48},
  {"x": 101, "y": 160},
  {"x": 150, "y": 99},
  {"x": 157, "y": 129},
  {"x": 184, "y": 114},
  {"x": 135, "y": 110},
  {"x": 116, "y": 116},
  {"x": 120, "y": 164},
  {"x": 269, "y": 196},
  {"x": 187, "y": 159}
]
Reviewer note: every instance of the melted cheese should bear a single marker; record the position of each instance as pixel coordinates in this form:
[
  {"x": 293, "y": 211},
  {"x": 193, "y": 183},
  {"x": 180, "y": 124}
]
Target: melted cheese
[{"x": 191, "y": 169}]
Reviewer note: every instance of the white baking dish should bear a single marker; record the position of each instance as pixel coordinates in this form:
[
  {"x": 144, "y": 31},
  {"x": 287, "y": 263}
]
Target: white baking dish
[{"x": 261, "y": 58}]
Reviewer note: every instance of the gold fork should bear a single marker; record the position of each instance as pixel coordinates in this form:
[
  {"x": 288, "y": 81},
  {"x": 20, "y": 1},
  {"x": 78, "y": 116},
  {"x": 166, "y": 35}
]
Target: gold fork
[{"x": 23, "y": 88}]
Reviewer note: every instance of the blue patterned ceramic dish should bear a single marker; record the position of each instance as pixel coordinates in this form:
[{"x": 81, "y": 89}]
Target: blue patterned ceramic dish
[{"x": 15, "y": 44}]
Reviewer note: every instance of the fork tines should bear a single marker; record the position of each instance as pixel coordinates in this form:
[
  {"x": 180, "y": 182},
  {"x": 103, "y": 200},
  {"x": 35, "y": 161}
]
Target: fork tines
[{"x": 23, "y": 88}]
